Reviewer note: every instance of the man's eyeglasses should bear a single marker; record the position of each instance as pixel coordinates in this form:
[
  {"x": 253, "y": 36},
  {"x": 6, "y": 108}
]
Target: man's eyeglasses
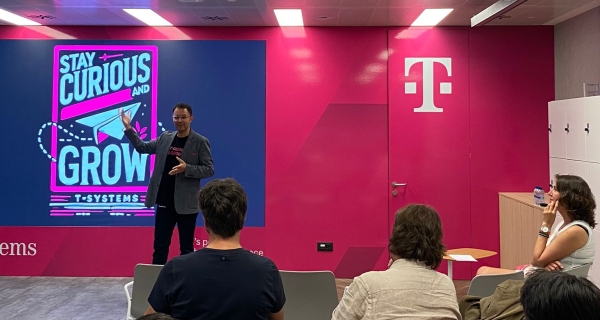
[{"x": 180, "y": 118}]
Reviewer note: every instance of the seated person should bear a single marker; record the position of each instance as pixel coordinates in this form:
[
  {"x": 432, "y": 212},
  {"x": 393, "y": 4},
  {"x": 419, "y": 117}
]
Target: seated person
[
  {"x": 223, "y": 280},
  {"x": 572, "y": 242},
  {"x": 558, "y": 296},
  {"x": 410, "y": 287}
]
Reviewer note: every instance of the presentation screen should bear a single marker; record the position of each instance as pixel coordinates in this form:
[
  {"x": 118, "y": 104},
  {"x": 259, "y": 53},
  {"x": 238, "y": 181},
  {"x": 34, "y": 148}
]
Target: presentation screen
[{"x": 67, "y": 161}]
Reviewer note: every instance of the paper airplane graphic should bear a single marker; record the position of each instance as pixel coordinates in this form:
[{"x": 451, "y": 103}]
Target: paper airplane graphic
[{"x": 108, "y": 123}]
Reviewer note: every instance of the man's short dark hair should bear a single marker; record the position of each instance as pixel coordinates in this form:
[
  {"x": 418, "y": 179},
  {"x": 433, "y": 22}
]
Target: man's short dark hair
[
  {"x": 549, "y": 295},
  {"x": 185, "y": 106},
  {"x": 417, "y": 235},
  {"x": 156, "y": 316},
  {"x": 223, "y": 203}
]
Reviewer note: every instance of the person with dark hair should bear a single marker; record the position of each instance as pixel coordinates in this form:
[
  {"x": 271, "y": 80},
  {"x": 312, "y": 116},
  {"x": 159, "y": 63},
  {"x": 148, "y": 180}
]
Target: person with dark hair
[
  {"x": 410, "y": 287},
  {"x": 183, "y": 158},
  {"x": 222, "y": 280},
  {"x": 156, "y": 316},
  {"x": 559, "y": 296},
  {"x": 572, "y": 242}
]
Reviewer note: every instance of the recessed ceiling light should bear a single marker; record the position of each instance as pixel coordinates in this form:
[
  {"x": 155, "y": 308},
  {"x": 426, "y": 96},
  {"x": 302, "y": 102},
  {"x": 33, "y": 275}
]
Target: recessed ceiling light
[
  {"x": 15, "y": 19},
  {"x": 431, "y": 17},
  {"x": 148, "y": 17},
  {"x": 289, "y": 17}
]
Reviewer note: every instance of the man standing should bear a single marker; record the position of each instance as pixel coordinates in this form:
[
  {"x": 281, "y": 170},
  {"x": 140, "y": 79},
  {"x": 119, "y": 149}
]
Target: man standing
[
  {"x": 222, "y": 280},
  {"x": 182, "y": 159}
]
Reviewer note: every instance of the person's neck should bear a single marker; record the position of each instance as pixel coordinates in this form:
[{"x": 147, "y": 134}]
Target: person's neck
[
  {"x": 219, "y": 243},
  {"x": 183, "y": 134},
  {"x": 565, "y": 215}
]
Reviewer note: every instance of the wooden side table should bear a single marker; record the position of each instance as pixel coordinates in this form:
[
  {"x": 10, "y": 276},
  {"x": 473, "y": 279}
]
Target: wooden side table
[{"x": 475, "y": 253}]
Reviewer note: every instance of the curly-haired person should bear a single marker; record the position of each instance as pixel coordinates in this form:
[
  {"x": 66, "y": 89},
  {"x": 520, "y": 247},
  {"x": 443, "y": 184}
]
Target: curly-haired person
[
  {"x": 410, "y": 287},
  {"x": 571, "y": 244}
]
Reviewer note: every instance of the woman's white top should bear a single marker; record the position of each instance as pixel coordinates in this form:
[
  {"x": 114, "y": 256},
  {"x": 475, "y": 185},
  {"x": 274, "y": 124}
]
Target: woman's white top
[{"x": 582, "y": 255}]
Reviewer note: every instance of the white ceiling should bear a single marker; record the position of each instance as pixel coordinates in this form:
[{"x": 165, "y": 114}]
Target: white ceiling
[{"x": 260, "y": 12}]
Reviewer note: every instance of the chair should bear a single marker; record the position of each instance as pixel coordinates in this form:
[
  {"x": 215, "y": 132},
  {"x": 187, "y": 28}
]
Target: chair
[
  {"x": 144, "y": 277},
  {"x": 309, "y": 294},
  {"x": 485, "y": 285},
  {"x": 580, "y": 271}
]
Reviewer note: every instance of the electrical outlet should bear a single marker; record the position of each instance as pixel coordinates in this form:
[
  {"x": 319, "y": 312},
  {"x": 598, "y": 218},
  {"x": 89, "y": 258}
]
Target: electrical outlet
[{"x": 324, "y": 246}]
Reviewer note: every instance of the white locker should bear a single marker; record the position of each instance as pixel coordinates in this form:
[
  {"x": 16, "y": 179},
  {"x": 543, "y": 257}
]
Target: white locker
[
  {"x": 578, "y": 151},
  {"x": 577, "y": 168},
  {"x": 556, "y": 128},
  {"x": 592, "y": 122},
  {"x": 557, "y": 166},
  {"x": 575, "y": 128}
]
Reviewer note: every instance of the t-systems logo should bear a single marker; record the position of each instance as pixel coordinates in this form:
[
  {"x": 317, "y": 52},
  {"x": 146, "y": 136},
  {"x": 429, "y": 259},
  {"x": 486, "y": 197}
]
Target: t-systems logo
[
  {"x": 18, "y": 249},
  {"x": 93, "y": 168}
]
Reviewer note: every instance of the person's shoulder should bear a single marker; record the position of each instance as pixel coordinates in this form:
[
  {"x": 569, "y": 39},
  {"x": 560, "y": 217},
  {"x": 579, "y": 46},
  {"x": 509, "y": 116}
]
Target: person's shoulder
[
  {"x": 189, "y": 259},
  {"x": 257, "y": 258},
  {"x": 259, "y": 262},
  {"x": 167, "y": 133},
  {"x": 198, "y": 136},
  {"x": 372, "y": 278}
]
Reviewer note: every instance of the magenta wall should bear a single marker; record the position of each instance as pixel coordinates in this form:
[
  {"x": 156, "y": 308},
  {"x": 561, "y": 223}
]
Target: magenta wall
[
  {"x": 511, "y": 78},
  {"x": 327, "y": 149}
]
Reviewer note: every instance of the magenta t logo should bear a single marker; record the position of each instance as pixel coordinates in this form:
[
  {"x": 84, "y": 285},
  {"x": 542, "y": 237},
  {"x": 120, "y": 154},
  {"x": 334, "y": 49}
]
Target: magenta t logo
[{"x": 428, "y": 84}]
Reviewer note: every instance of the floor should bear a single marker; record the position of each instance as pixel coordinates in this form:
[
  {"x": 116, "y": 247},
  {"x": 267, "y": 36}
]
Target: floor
[{"x": 50, "y": 298}]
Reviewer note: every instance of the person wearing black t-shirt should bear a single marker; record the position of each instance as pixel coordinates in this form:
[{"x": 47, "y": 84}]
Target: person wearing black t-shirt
[
  {"x": 222, "y": 280},
  {"x": 183, "y": 158}
]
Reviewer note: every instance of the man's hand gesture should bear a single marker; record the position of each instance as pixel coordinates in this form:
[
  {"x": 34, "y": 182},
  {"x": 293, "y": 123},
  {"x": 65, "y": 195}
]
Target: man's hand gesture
[
  {"x": 125, "y": 118},
  {"x": 180, "y": 168}
]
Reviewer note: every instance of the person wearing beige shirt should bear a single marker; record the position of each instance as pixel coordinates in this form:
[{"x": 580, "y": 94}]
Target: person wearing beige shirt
[{"x": 410, "y": 288}]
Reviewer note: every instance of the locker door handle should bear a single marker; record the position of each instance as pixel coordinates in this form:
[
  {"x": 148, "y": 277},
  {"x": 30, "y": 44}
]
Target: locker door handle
[
  {"x": 587, "y": 128},
  {"x": 567, "y": 128}
]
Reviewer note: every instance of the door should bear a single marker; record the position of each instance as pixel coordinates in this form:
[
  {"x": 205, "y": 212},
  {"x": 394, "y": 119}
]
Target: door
[{"x": 429, "y": 129}]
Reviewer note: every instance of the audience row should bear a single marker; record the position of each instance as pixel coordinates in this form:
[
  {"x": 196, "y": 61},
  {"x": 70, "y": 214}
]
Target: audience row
[{"x": 224, "y": 281}]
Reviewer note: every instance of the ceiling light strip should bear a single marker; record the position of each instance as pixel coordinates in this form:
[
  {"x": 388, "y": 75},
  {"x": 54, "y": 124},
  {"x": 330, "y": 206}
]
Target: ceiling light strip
[
  {"x": 494, "y": 11},
  {"x": 16, "y": 19},
  {"x": 431, "y": 17},
  {"x": 148, "y": 17},
  {"x": 289, "y": 17}
]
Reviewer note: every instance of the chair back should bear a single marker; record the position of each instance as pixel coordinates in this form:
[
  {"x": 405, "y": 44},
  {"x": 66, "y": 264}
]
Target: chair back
[
  {"x": 144, "y": 277},
  {"x": 485, "y": 285},
  {"x": 309, "y": 294},
  {"x": 580, "y": 271}
]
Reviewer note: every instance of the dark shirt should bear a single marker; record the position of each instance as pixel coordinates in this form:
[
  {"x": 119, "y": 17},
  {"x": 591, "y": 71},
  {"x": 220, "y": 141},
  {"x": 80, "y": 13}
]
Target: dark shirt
[
  {"x": 166, "y": 191},
  {"x": 220, "y": 285}
]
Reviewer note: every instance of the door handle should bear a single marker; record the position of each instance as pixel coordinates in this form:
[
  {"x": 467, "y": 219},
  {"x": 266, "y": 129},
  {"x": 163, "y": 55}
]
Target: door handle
[{"x": 395, "y": 184}]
